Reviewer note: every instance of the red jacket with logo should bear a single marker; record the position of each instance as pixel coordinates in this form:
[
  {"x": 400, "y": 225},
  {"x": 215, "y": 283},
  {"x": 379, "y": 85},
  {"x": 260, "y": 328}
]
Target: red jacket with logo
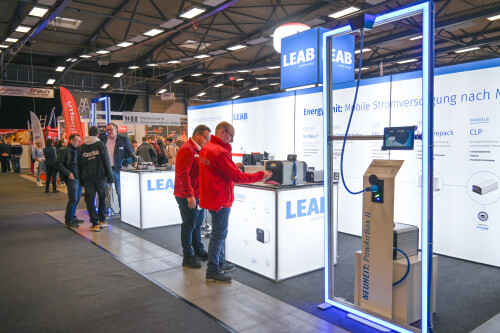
[
  {"x": 218, "y": 174},
  {"x": 187, "y": 171}
]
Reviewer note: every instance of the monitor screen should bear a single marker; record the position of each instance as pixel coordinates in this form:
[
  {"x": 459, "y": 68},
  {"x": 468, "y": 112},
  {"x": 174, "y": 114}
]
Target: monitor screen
[
  {"x": 402, "y": 138},
  {"x": 247, "y": 159},
  {"x": 257, "y": 158}
]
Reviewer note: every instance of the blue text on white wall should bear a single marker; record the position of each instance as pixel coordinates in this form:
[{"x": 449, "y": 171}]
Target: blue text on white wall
[
  {"x": 160, "y": 185},
  {"x": 304, "y": 207}
]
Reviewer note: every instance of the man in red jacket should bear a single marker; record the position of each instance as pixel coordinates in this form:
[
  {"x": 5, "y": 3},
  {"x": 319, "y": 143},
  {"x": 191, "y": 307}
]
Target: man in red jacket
[
  {"x": 218, "y": 174},
  {"x": 187, "y": 194}
]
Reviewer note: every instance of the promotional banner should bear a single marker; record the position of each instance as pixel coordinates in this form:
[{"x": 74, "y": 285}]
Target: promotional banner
[
  {"x": 71, "y": 115},
  {"x": 26, "y": 92},
  {"x": 149, "y": 118},
  {"x": 301, "y": 62},
  {"x": 36, "y": 129},
  {"x": 21, "y": 135}
]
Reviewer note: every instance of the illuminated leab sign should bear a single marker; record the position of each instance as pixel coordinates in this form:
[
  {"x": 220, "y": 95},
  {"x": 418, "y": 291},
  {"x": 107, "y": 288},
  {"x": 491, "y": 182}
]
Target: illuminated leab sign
[{"x": 301, "y": 59}]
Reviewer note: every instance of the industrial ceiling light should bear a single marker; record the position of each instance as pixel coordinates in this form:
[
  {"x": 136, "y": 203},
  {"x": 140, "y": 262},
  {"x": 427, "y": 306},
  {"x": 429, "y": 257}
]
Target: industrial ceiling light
[
  {"x": 23, "y": 28},
  {"x": 467, "y": 49},
  {"x": 416, "y": 37},
  {"x": 173, "y": 62},
  {"x": 195, "y": 11},
  {"x": 201, "y": 94},
  {"x": 133, "y": 67},
  {"x": 152, "y": 65},
  {"x": 253, "y": 89},
  {"x": 11, "y": 40},
  {"x": 51, "y": 81},
  {"x": 240, "y": 80},
  {"x": 244, "y": 71},
  {"x": 219, "y": 85},
  {"x": 153, "y": 32},
  {"x": 218, "y": 73},
  {"x": 344, "y": 12},
  {"x": 104, "y": 86},
  {"x": 38, "y": 11},
  {"x": 261, "y": 78},
  {"x": 102, "y": 52},
  {"x": 85, "y": 56},
  {"x": 286, "y": 30},
  {"x": 236, "y": 47},
  {"x": 71, "y": 59},
  {"x": 178, "y": 81},
  {"x": 364, "y": 50},
  {"x": 362, "y": 68},
  {"x": 60, "y": 68},
  {"x": 124, "y": 44},
  {"x": 196, "y": 74},
  {"x": 162, "y": 91},
  {"x": 273, "y": 67},
  {"x": 493, "y": 18},
  {"x": 406, "y": 61},
  {"x": 118, "y": 75},
  {"x": 4, "y": 46},
  {"x": 201, "y": 56},
  {"x": 235, "y": 97}
]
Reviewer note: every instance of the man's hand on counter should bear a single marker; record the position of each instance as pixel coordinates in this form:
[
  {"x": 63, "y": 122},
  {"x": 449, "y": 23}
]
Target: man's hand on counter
[
  {"x": 267, "y": 175},
  {"x": 239, "y": 165}
]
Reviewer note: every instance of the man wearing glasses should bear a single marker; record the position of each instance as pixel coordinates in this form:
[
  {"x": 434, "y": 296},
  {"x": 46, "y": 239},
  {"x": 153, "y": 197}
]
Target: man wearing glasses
[
  {"x": 187, "y": 194},
  {"x": 119, "y": 148},
  {"x": 66, "y": 163},
  {"x": 218, "y": 174}
]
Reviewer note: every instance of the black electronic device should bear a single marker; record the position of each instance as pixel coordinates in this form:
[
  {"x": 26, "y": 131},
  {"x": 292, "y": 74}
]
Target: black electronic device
[
  {"x": 314, "y": 176},
  {"x": 247, "y": 159},
  {"x": 287, "y": 172},
  {"x": 377, "y": 196},
  {"x": 291, "y": 157},
  {"x": 266, "y": 155},
  {"x": 399, "y": 138},
  {"x": 257, "y": 159}
]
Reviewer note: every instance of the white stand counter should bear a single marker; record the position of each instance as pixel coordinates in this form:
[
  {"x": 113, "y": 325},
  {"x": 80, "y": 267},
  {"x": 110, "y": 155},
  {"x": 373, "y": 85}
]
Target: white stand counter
[
  {"x": 148, "y": 198},
  {"x": 277, "y": 232}
]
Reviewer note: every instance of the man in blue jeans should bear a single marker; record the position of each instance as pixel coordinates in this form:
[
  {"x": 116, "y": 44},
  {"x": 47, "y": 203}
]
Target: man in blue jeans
[
  {"x": 66, "y": 163},
  {"x": 187, "y": 194},
  {"x": 218, "y": 174}
]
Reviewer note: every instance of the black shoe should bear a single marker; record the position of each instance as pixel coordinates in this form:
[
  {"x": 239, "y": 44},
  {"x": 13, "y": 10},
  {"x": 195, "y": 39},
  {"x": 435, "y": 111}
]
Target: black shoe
[
  {"x": 47, "y": 191},
  {"x": 202, "y": 255},
  {"x": 227, "y": 267},
  {"x": 218, "y": 277},
  {"x": 71, "y": 225},
  {"x": 76, "y": 220},
  {"x": 55, "y": 191},
  {"x": 191, "y": 262}
]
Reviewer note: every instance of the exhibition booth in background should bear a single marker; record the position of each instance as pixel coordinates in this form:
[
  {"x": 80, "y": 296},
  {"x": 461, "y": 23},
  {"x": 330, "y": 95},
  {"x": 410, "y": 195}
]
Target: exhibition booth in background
[{"x": 466, "y": 150}]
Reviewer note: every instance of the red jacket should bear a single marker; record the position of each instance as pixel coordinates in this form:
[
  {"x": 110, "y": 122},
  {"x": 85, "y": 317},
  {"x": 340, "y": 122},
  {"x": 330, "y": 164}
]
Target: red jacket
[
  {"x": 187, "y": 171},
  {"x": 218, "y": 174}
]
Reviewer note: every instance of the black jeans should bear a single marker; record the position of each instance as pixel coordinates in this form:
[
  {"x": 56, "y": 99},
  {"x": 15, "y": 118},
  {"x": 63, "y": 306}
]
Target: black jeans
[
  {"x": 74, "y": 195},
  {"x": 192, "y": 220},
  {"x": 50, "y": 173},
  {"x": 91, "y": 188},
  {"x": 4, "y": 160}
]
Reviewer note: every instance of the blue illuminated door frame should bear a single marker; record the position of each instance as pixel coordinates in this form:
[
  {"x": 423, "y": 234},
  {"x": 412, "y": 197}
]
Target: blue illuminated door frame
[
  {"x": 93, "y": 110},
  {"x": 427, "y": 11}
]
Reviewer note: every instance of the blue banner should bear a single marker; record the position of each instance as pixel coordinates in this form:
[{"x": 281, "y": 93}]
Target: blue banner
[{"x": 301, "y": 59}]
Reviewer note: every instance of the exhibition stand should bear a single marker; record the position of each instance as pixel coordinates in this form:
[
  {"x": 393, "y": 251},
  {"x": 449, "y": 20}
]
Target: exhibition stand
[
  {"x": 277, "y": 231},
  {"x": 147, "y": 198}
]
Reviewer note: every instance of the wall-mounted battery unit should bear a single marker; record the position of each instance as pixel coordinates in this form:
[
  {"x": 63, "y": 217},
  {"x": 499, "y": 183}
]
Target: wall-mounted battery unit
[
  {"x": 435, "y": 183},
  {"x": 485, "y": 186},
  {"x": 263, "y": 235}
]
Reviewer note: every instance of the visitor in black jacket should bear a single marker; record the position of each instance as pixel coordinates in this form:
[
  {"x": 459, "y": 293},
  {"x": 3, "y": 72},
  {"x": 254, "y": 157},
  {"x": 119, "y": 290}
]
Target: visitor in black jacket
[
  {"x": 50, "y": 153},
  {"x": 17, "y": 151},
  {"x": 4, "y": 155},
  {"x": 95, "y": 171},
  {"x": 66, "y": 164}
]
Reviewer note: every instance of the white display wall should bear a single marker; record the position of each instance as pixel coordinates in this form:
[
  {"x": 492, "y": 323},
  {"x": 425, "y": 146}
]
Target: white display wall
[{"x": 467, "y": 148}]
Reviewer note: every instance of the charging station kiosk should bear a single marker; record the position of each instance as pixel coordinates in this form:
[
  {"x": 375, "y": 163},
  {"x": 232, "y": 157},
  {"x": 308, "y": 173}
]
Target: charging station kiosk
[{"x": 382, "y": 318}]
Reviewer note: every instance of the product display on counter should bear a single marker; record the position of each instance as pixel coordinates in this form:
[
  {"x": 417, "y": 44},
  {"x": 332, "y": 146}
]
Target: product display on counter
[
  {"x": 147, "y": 198},
  {"x": 277, "y": 232},
  {"x": 287, "y": 172}
]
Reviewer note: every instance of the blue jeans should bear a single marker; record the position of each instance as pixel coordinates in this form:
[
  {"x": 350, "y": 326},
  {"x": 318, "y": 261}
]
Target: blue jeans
[
  {"x": 17, "y": 164},
  {"x": 216, "y": 257},
  {"x": 41, "y": 167},
  {"x": 74, "y": 196},
  {"x": 116, "y": 176},
  {"x": 192, "y": 219}
]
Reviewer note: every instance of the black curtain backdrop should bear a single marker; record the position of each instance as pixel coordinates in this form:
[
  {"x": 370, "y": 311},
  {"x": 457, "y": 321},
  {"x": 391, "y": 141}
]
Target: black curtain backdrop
[
  {"x": 15, "y": 111},
  {"x": 121, "y": 102}
]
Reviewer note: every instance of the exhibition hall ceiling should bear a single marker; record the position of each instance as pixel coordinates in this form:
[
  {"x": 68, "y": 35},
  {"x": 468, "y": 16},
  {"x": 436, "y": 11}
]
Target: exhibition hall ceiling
[{"x": 150, "y": 46}]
